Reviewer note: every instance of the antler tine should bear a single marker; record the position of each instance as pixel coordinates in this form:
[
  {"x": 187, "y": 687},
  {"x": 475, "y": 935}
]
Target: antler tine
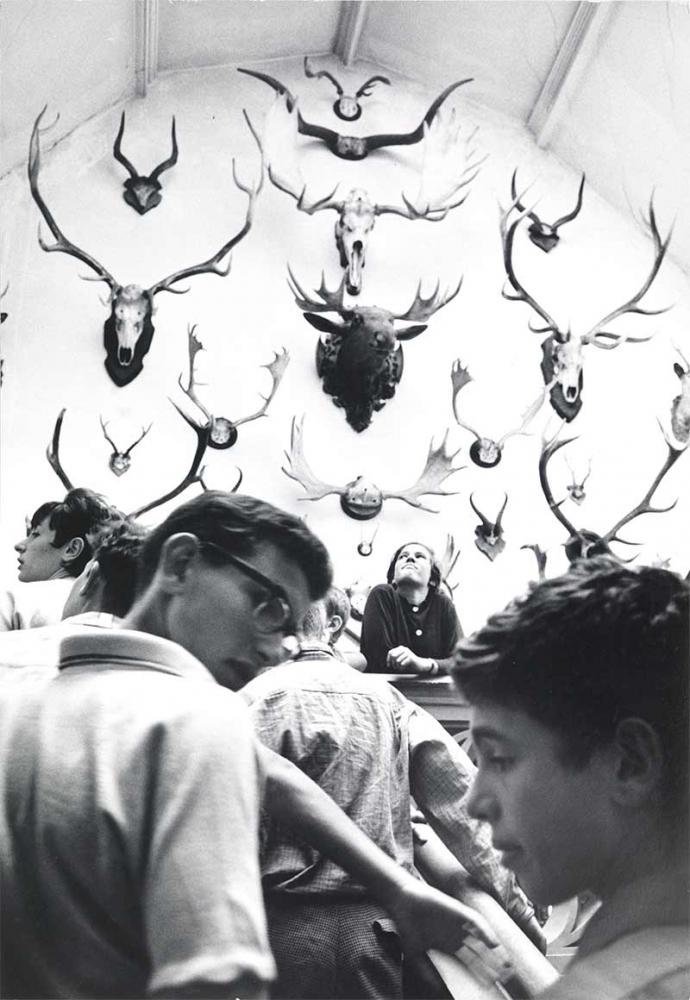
[
  {"x": 332, "y": 301},
  {"x": 213, "y": 264},
  {"x": 194, "y": 345},
  {"x": 105, "y": 434},
  {"x": 529, "y": 414},
  {"x": 117, "y": 150},
  {"x": 365, "y": 89},
  {"x": 449, "y": 558},
  {"x": 521, "y": 294},
  {"x": 437, "y": 468},
  {"x": 497, "y": 523},
  {"x": 644, "y": 506},
  {"x": 549, "y": 449},
  {"x": 172, "y": 159},
  {"x": 321, "y": 74},
  {"x": 298, "y": 468},
  {"x": 576, "y": 211},
  {"x": 62, "y": 244},
  {"x": 144, "y": 432},
  {"x": 422, "y": 308},
  {"x": 194, "y": 475},
  {"x": 277, "y": 369},
  {"x": 539, "y": 555},
  {"x": 53, "y": 450},
  {"x": 632, "y": 305},
  {"x": 459, "y": 377},
  {"x": 300, "y": 196},
  {"x": 485, "y": 521},
  {"x": 517, "y": 198}
]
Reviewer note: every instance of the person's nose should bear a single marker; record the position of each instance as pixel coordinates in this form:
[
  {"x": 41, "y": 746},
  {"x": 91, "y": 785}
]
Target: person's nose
[
  {"x": 20, "y": 546},
  {"x": 481, "y": 802}
]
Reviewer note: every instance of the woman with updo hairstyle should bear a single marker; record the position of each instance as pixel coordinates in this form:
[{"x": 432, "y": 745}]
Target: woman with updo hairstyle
[{"x": 409, "y": 624}]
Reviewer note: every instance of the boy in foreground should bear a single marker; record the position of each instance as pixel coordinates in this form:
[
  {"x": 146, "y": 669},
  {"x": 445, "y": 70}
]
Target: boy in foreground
[{"x": 580, "y": 720}]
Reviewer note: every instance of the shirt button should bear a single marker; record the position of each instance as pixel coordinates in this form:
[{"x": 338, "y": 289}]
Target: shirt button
[
  {"x": 415, "y": 608},
  {"x": 418, "y": 631}
]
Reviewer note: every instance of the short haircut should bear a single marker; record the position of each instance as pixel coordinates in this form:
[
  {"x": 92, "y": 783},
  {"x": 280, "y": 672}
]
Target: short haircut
[
  {"x": 583, "y": 651},
  {"x": 238, "y": 523},
  {"x": 436, "y": 575},
  {"x": 117, "y": 551},
  {"x": 335, "y": 602},
  {"x": 80, "y": 514}
]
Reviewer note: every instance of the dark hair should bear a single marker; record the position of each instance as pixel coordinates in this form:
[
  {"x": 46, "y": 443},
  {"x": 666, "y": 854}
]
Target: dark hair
[
  {"x": 335, "y": 602},
  {"x": 80, "y": 513},
  {"x": 436, "y": 575},
  {"x": 238, "y": 523},
  {"x": 117, "y": 551},
  {"x": 583, "y": 651}
]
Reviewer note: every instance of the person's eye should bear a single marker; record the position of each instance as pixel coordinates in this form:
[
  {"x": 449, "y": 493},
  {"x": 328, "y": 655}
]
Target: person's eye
[{"x": 499, "y": 762}]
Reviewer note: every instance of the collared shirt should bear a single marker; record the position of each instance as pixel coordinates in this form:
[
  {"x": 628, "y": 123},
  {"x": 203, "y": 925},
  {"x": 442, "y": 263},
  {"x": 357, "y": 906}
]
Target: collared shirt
[
  {"x": 35, "y": 652},
  {"x": 429, "y": 629},
  {"x": 369, "y": 748},
  {"x": 128, "y": 845}
]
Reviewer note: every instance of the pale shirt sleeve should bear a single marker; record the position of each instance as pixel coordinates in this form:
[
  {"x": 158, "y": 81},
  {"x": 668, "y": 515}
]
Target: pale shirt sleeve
[
  {"x": 202, "y": 901},
  {"x": 440, "y": 777},
  {"x": 31, "y": 605}
]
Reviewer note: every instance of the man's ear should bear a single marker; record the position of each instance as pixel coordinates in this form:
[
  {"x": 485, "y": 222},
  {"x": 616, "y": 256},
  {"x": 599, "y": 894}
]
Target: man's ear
[
  {"x": 178, "y": 554},
  {"x": 639, "y": 761},
  {"x": 72, "y": 549},
  {"x": 334, "y": 624}
]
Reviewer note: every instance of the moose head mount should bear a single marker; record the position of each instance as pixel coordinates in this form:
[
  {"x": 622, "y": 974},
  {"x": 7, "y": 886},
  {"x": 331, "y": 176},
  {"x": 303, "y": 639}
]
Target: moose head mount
[
  {"x": 484, "y": 451},
  {"x": 143, "y": 192},
  {"x": 346, "y": 107},
  {"x": 360, "y": 359},
  {"x": 545, "y": 234},
  {"x": 128, "y": 331},
  {"x": 361, "y": 498},
  {"x": 583, "y": 543},
  {"x": 223, "y": 433},
  {"x": 120, "y": 461},
  {"x": 563, "y": 353},
  {"x": 353, "y": 147},
  {"x": 489, "y": 534}
]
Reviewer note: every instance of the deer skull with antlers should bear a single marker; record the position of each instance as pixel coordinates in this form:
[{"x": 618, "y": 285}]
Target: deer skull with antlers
[
  {"x": 128, "y": 331},
  {"x": 583, "y": 543},
  {"x": 563, "y": 353},
  {"x": 545, "y": 234},
  {"x": 223, "y": 430},
  {"x": 360, "y": 359},
  {"x": 120, "y": 461},
  {"x": 346, "y": 107},
  {"x": 143, "y": 192},
  {"x": 489, "y": 534},
  {"x": 361, "y": 498}
]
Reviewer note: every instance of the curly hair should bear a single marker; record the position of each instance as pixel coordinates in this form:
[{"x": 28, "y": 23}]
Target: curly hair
[
  {"x": 585, "y": 650},
  {"x": 80, "y": 514},
  {"x": 117, "y": 552}
]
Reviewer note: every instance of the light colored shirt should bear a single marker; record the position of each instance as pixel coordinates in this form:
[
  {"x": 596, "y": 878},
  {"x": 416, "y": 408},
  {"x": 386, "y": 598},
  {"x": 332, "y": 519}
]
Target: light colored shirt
[
  {"x": 35, "y": 652},
  {"x": 30, "y": 605},
  {"x": 369, "y": 748},
  {"x": 129, "y": 790}
]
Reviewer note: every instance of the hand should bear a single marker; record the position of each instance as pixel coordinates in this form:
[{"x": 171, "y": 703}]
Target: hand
[
  {"x": 427, "y": 918},
  {"x": 531, "y": 928},
  {"x": 403, "y": 660}
]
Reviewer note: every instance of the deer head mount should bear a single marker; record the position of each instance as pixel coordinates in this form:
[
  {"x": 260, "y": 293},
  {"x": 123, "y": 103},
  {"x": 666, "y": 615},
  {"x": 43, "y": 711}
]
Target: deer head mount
[
  {"x": 357, "y": 212},
  {"x": 361, "y": 498},
  {"x": 489, "y": 534},
  {"x": 128, "y": 331},
  {"x": 563, "y": 353},
  {"x": 360, "y": 358},
  {"x": 583, "y": 543},
  {"x": 223, "y": 432},
  {"x": 545, "y": 234},
  {"x": 346, "y": 107},
  {"x": 142, "y": 193},
  {"x": 194, "y": 475},
  {"x": 120, "y": 461},
  {"x": 352, "y": 147},
  {"x": 484, "y": 451},
  {"x": 680, "y": 408},
  {"x": 576, "y": 487}
]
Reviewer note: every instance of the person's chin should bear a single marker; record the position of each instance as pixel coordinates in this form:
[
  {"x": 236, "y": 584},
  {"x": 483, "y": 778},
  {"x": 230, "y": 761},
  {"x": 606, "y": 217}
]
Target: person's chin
[{"x": 234, "y": 674}]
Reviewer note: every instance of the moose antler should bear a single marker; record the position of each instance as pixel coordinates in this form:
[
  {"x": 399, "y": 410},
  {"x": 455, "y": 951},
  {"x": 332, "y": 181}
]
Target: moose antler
[
  {"x": 422, "y": 308},
  {"x": 437, "y": 468},
  {"x": 331, "y": 301},
  {"x": 277, "y": 368},
  {"x": 299, "y": 469}
]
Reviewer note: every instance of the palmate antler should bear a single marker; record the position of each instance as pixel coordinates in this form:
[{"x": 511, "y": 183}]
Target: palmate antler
[
  {"x": 437, "y": 468},
  {"x": 299, "y": 469}
]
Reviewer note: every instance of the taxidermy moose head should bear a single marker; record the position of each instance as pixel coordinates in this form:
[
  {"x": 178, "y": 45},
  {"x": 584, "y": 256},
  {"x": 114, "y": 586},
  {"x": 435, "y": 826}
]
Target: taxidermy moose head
[
  {"x": 128, "y": 331},
  {"x": 142, "y": 192},
  {"x": 360, "y": 358},
  {"x": 583, "y": 543},
  {"x": 347, "y": 108},
  {"x": 362, "y": 499},
  {"x": 563, "y": 353},
  {"x": 545, "y": 234}
]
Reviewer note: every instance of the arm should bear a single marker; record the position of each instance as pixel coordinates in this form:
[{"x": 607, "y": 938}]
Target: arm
[
  {"x": 425, "y": 917},
  {"x": 379, "y": 633},
  {"x": 451, "y": 631}
]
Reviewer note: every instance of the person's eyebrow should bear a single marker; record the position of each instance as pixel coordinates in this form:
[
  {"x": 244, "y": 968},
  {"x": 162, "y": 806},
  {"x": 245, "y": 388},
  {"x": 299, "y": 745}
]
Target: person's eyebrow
[{"x": 488, "y": 733}]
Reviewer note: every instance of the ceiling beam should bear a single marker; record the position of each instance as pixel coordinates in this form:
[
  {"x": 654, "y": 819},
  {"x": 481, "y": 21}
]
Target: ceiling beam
[
  {"x": 146, "y": 44},
  {"x": 353, "y": 15},
  {"x": 572, "y": 59}
]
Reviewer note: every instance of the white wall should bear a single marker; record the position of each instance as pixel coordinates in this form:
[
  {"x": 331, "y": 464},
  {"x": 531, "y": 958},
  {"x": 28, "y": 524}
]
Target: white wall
[
  {"x": 52, "y": 342},
  {"x": 626, "y": 119}
]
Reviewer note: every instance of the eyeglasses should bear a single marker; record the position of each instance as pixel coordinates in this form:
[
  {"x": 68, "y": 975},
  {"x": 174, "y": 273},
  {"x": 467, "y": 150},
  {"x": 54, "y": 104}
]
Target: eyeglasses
[{"x": 273, "y": 614}]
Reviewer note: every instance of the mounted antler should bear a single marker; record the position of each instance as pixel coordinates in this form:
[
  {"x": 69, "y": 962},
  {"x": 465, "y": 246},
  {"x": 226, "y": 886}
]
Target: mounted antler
[
  {"x": 448, "y": 560},
  {"x": 128, "y": 331},
  {"x": 360, "y": 359},
  {"x": 680, "y": 408},
  {"x": 576, "y": 487},
  {"x": 362, "y": 499},
  {"x": 347, "y": 108},
  {"x": 562, "y": 353},
  {"x": 545, "y": 234},
  {"x": 489, "y": 534},
  {"x": 120, "y": 461},
  {"x": 143, "y": 192},
  {"x": 484, "y": 451},
  {"x": 540, "y": 556}
]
